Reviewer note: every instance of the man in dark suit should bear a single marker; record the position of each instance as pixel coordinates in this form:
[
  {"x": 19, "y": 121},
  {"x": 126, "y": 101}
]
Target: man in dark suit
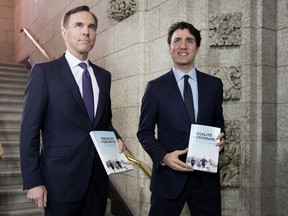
[
  {"x": 64, "y": 176},
  {"x": 174, "y": 182}
]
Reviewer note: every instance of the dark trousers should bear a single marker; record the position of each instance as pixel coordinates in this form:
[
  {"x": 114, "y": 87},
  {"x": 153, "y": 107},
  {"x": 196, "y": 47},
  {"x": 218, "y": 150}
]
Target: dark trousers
[
  {"x": 199, "y": 202},
  {"x": 92, "y": 204}
]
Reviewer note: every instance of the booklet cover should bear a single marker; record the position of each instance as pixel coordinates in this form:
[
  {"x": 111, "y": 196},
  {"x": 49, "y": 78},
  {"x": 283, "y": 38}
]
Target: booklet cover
[
  {"x": 107, "y": 147},
  {"x": 203, "y": 154}
]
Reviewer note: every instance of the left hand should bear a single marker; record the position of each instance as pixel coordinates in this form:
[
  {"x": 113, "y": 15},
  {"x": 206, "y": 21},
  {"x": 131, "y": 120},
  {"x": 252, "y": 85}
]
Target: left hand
[
  {"x": 38, "y": 195},
  {"x": 220, "y": 144},
  {"x": 121, "y": 146}
]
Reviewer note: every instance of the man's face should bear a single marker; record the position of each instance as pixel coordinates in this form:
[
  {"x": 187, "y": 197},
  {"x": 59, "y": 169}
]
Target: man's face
[
  {"x": 183, "y": 49},
  {"x": 80, "y": 34}
]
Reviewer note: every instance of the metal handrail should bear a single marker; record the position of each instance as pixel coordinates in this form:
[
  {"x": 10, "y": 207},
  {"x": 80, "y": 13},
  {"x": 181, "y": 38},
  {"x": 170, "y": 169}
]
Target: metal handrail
[
  {"x": 1, "y": 150},
  {"x": 46, "y": 55},
  {"x": 147, "y": 170}
]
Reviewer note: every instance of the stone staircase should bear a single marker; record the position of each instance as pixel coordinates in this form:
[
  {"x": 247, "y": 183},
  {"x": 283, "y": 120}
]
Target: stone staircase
[
  {"x": 13, "y": 201},
  {"x": 13, "y": 79}
]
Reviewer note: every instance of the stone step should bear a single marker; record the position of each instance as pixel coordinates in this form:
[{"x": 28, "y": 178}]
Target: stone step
[
  {"x": 11, "y": 98},
  {"x": 20, "y": 209},
  {"x": 10, "y": 161},
  {"x": 5, "y": 89},
  {"x": 14, "y": 73},
  {"x": 10, "y": 176},
  {"x": 12, "y": 87},
  {"x": 11, "y": 115},
  {"x": 10, "y": 146},
  {"x": 12, "y": 65},
  {"x": 13, "y": 80},
  {"x": 13, "y": 108},
  {"x": 7, "y": 114},
  {"x": 12, "y": 194},
  {"x": 10, "y": 134},
  {"x": 10, "y": 124}
]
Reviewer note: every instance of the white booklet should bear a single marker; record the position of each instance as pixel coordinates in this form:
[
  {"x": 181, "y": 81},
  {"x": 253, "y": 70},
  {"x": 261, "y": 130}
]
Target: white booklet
[
  {"x": 203, "y": 154},
  {"x": 107, "y": 147}
]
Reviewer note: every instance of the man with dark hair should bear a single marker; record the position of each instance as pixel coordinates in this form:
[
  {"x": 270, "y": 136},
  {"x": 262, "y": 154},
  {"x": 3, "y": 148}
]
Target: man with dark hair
[
  {"x": 168, "y": 105},
  {"x": 65, "y": 99}
]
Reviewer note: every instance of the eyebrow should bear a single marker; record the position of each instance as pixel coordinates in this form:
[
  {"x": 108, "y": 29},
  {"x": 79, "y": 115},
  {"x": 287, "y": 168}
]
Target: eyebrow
[
  {"x": 81, "y": 23},
  {"x": 187, "y": 38},
  {"x": 78, "y": 23}
]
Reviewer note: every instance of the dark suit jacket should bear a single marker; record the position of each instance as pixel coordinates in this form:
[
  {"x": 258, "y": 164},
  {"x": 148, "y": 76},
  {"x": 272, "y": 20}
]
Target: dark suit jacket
[
  {"x": 163, "y": 106},
  {"x": 53, "y": 105}
]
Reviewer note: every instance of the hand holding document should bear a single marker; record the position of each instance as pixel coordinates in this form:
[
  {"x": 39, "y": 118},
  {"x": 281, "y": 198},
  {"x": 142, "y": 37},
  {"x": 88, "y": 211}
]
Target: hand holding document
[{"x": 107, "y": 147}]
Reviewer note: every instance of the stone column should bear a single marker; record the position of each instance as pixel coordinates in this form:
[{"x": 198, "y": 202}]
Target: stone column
[{"x": 239, "y": 46}]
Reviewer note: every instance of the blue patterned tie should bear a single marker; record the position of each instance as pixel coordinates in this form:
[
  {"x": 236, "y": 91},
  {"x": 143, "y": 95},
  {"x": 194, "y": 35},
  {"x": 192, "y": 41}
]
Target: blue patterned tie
[
  {"x": 188, "y": 99},
  {"x": 87, "y": 91}
]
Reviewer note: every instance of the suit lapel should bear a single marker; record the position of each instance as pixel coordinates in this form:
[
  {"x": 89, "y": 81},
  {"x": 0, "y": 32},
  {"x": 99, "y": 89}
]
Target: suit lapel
[
  {"x": 102, "y": 93},
  {"x": 202, "y": 93},
  {"x": 69, "y": 81}
]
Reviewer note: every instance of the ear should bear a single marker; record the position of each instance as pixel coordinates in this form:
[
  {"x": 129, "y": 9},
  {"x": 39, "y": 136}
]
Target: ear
[
  {"x": 169, "y": 49},
  {"x": 64, "y": 32}
]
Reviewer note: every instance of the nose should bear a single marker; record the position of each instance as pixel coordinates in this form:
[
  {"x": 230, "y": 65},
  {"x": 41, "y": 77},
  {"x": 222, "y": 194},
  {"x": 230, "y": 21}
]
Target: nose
[
  {"x": 183, "y": 45},
  {"x": 85, "y": 30}
]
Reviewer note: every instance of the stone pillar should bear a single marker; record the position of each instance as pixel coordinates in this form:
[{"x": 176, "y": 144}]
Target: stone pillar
[{"x": 239, "y": 46}]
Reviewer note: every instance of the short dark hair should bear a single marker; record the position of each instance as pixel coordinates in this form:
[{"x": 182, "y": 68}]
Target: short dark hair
[
  {"x": 184, "y": 25},
  {"x": 67, "y": 15}
]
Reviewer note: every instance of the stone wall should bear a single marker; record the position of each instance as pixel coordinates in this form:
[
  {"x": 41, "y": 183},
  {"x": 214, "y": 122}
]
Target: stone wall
[
  {"x": 244, "y": 43},
  {"x": 6, "y": 31}
]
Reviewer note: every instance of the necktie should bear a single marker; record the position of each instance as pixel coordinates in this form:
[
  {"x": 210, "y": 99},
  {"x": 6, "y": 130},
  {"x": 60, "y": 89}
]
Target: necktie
[
  {"x": 188, "y": 99},
  {"x": 87, "y": 91}
]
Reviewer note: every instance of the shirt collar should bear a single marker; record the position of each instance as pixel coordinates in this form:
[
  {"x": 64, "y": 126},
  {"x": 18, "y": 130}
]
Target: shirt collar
[
  {"x": 179, "y": 74},
  {"x": 73, "y": 61}
]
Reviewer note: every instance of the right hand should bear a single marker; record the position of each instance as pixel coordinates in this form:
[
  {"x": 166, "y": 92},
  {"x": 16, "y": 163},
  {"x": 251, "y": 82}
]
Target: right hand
[
  {"x": 172, "y": 160},
  {"x": 38, "y": 195}
]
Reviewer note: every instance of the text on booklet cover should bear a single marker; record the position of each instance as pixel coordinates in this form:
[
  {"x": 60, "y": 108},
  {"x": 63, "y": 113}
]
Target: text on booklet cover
[
  {"x": 107, "y": 147},
  {"x": 203, "y": 154}
]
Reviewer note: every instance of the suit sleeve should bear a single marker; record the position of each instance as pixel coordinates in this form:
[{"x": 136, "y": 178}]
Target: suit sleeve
[
  {"x": 219, "y": 119},
  {"x": 109, "y": 115},
  {"x": 33, "y": 116},
  {"x": 148, "y": 120}
]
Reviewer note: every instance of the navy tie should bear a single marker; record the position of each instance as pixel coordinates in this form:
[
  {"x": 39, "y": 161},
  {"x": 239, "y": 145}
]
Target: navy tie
[
  {"x": 188, "y": 99},
  {"x": 87, "y": 91}
]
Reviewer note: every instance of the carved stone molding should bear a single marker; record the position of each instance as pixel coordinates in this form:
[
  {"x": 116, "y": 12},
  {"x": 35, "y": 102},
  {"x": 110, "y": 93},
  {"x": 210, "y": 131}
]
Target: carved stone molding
[
  {"x": 230, "y": 160},
  {"x": 231, "y": 78},
  {"x": 225, "y": 29},
  {"x": 121, "y": 9}
]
